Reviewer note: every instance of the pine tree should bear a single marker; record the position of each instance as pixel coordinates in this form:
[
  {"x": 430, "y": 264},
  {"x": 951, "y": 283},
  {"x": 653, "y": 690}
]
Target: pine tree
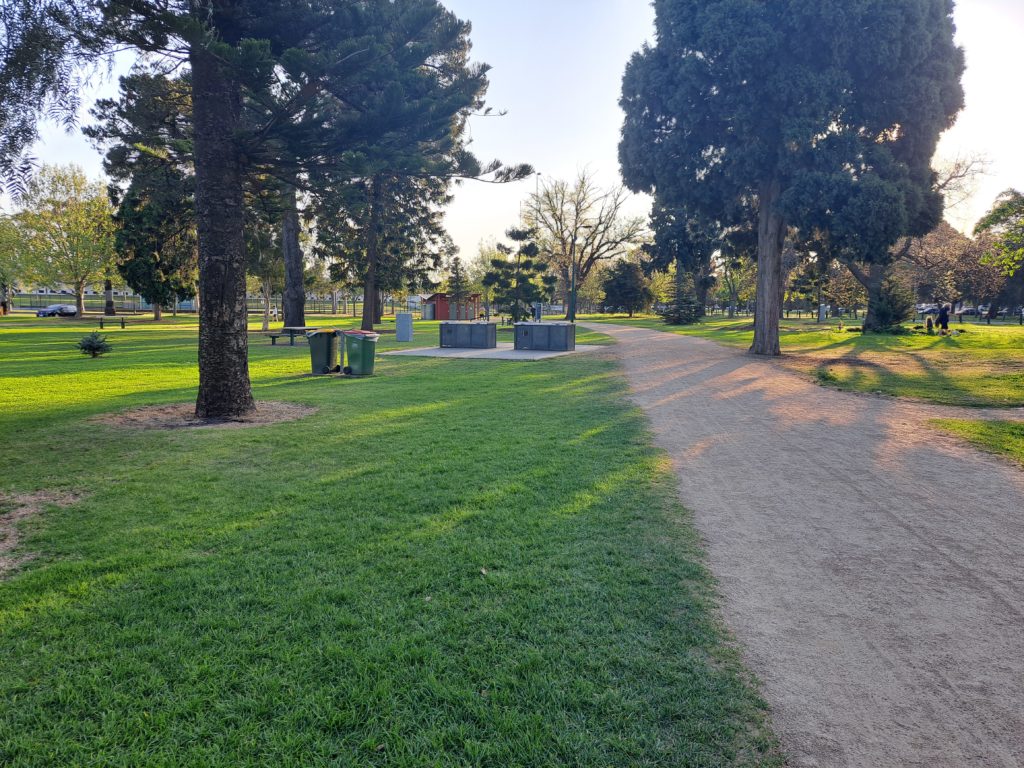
[
  {"x": 147, "y": 134},
  {"x": 458, "y": 288},
  {"x": 682, "y": 307},
  {"x": 519, "y": 279}
]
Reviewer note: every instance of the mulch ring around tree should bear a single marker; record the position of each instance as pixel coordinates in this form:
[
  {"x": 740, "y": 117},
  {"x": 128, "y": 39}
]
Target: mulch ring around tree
[
  {"x": 183, "y": 416},
  {"x": 17, "y": 507}
]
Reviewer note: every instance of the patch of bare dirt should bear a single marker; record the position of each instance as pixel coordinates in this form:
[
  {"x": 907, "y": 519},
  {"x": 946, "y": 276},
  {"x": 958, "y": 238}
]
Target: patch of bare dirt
[
  {"x": 183, "y": 416},
  {"x": 18, "y": 507}
]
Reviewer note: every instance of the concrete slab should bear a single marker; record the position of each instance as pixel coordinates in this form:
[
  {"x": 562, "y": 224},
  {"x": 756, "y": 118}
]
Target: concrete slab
[{"x": 504, "y": 351}]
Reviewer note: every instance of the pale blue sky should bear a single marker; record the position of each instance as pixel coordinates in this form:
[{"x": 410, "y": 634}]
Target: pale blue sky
[{"x": 557, "y": 66}]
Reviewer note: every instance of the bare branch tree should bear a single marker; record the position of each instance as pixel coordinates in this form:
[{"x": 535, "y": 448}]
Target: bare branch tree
[{"x": 579, "y": 224}]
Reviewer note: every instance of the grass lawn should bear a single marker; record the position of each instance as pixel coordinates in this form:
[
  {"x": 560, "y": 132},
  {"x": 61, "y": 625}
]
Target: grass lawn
[
  {"x": 983, "y": 367},
  {"x": 1005, "y": 438},
  {"x": 454, "y": 563}
]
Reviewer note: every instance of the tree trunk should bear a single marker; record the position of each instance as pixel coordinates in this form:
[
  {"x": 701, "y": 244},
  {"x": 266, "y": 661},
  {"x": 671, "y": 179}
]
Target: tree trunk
[
  {"x": 268, "y": 297},
  {"x": 79, "y": 300},
  {"x": 574, "y": 291},
  {"x": 158, "y": 312},
  {"x": 771, "y": 236},
  {"x": 378, "y": 312},
  {"x": 224, "y": 388},
  {"x": 334, "y": 302},
  {"x": 700, "y": 291},
  {"x": 372, "y": 251},
  {"x": 872, "y": 278},
  {"x": 294, "y": 298},
  {"x": 108, "y": 298}
]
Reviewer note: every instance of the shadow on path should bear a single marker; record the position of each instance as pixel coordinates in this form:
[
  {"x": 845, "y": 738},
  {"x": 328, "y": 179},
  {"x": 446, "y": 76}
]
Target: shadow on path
[{"x": 870, "y": 566}]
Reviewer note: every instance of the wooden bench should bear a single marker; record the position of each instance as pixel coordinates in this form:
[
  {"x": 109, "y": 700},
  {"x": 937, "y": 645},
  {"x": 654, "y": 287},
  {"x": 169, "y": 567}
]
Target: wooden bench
[{"x": 112, "y": 319}]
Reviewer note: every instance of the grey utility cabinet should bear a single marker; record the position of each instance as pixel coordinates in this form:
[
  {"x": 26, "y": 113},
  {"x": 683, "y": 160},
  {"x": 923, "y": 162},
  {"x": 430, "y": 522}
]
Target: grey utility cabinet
[
  {"x": 469, "y": 335},
  {"x": 546, "y": 337},
  {"x": 403, "y": 327}
]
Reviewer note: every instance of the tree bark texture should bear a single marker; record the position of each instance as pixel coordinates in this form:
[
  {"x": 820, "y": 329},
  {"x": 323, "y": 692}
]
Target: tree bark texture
[
  {"x": 771, "y": 237},
  {"x": 372, "y": 252},
  {"x": 158, "y": 312},
  {"x": 79, "y": 300},
  {"x": 224, "y": 388},
  {"x": 872, "y": 278},
  {"x": 294, "y": 298}
]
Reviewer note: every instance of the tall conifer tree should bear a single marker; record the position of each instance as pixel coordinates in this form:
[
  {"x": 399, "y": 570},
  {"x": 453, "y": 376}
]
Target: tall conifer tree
[{"x": 818, "y": 112}]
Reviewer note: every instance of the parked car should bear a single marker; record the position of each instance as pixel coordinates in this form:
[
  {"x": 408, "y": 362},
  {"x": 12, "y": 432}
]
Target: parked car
[{"x": 58, "y": 310}]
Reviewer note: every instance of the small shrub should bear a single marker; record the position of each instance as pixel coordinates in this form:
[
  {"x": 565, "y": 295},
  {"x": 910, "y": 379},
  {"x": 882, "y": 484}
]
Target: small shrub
[
  {"x": 94, "y": 345},
  {"x": 893, "y": 307}
]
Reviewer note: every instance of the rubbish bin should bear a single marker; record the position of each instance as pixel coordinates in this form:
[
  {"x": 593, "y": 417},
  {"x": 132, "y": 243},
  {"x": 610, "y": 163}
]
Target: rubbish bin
[
  {"x": 324, "y": 347},
  {"x": 361, "y": 347}
]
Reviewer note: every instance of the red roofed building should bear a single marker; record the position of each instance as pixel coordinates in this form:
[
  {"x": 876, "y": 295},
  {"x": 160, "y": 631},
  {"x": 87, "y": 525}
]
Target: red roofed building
[{"x": 439, "y": 307}]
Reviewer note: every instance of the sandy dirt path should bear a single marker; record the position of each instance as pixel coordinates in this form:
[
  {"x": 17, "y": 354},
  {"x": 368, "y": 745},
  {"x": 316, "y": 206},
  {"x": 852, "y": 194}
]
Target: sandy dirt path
[{"x": 871, "y": 568}]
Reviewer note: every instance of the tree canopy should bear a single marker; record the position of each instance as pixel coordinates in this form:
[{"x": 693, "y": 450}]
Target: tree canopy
[
  {"x": 626, "y": 286},
  {"x": 147, "y": 134},
  {"x": 11, "y": 268},
  {"x": 820, "y": 115},
  {"x": 1005, "y": 224},
  {"x": 68, "y": 230}
]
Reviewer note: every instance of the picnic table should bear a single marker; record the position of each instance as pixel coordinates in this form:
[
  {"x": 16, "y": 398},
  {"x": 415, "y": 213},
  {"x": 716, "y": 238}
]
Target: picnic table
[{"x": 291, "y": 332}]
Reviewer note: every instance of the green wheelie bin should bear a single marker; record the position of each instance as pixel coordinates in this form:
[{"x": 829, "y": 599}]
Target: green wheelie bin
[
  {"x": 324, "y": 348},
  {"x": 361, "y": 348}
]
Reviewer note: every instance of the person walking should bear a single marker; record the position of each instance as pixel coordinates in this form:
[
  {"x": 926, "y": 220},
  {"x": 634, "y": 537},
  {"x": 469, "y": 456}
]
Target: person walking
[{"x": 944, "y": 320}]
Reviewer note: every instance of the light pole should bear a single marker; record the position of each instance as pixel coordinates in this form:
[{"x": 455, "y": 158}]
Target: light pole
[{"x": 572, "y": 291}]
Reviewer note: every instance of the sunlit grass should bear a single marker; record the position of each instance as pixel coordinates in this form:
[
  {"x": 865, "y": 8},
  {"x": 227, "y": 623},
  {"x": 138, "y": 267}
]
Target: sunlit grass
[
  {"x": 1004, "y": 438},
  {"x": 983, "y": 366},
  {"x": 454, "y": 563}
]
